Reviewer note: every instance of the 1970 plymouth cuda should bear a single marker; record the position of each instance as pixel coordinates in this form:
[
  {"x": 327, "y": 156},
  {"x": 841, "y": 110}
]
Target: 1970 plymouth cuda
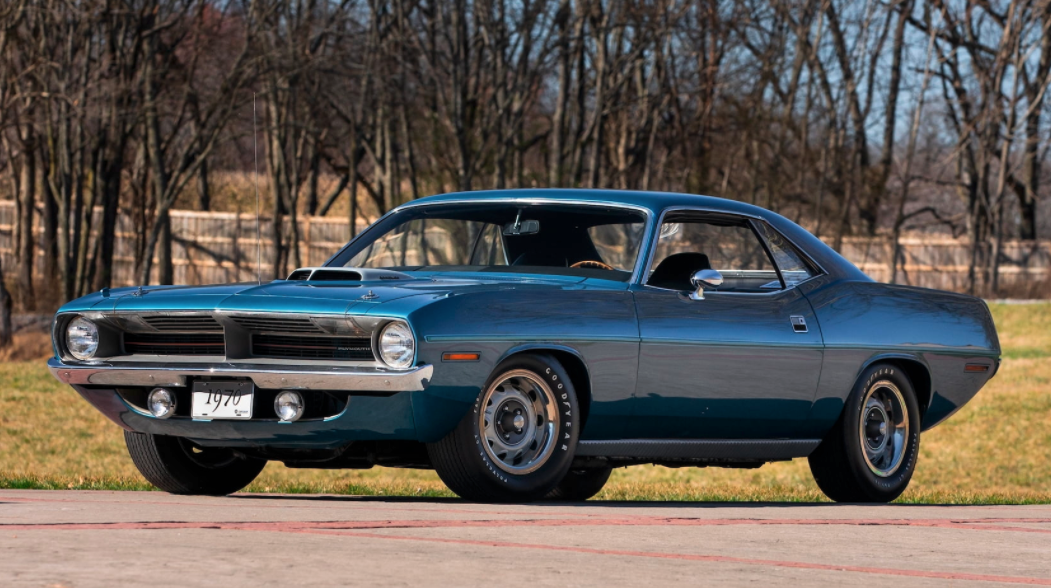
[{"x": 524, "y": 343}]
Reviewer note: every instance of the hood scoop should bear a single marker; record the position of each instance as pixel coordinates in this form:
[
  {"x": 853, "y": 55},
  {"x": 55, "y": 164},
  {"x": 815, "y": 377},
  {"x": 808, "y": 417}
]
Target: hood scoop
[{"x": 344, "y": 274}]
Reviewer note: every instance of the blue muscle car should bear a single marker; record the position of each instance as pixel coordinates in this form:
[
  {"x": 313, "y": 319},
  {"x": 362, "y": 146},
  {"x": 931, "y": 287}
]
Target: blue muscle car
[{"x": 524, "y": 343}]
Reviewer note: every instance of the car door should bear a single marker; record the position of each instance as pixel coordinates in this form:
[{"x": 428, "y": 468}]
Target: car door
[{"x": 744, "y": 361}]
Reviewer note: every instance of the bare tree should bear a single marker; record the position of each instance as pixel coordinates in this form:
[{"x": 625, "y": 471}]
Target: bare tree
[{"x": 139, "y": 105}]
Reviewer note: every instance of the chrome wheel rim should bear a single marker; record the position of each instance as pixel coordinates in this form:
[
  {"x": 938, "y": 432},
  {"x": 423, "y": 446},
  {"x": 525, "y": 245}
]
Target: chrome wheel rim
[
  {"x": 884, "y": 428},
  {"x": 518, "y": 421}
]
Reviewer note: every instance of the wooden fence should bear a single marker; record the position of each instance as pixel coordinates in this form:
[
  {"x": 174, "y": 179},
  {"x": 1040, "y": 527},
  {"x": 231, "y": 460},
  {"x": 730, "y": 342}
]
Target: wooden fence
[{"x": 217, "y": 247}]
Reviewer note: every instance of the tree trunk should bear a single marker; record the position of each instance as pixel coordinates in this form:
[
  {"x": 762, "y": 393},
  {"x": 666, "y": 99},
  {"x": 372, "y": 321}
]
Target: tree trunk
[
  {"x": 6, "y": 332},
  {"x": 352, "y": 192},
  {"x": 50, "y": 238},
  {"x": 1031, "y": 162},
  {"x": 204, "y": 195},
  {"x": 26, "y": 251},
  {"x": 314, "y": 155},
  {"x": 165, "y": 265},
  {"x": 558, "y": 121},
  {"x": 111, "y": 181},
  {"x": 160, "y": 236}
]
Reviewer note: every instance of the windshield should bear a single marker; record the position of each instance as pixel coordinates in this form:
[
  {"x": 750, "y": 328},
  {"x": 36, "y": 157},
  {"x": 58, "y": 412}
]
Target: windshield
[{"x": 558, "y": 239}]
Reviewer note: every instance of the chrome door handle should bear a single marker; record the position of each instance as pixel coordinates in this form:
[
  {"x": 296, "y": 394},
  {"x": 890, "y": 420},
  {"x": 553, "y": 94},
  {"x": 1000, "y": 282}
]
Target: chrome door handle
[{"x": 798, "y": 324}]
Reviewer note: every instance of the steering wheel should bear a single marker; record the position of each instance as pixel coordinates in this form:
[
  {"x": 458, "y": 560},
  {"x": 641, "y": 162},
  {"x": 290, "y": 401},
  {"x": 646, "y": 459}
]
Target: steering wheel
[{"x": 589, "y": 263}]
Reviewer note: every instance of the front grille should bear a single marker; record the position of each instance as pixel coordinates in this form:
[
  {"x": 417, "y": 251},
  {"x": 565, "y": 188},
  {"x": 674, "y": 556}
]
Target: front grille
[
  {"x": 278, "y": 324},
  {"x": 345, "y": 348},
  {"x": 195, "y": 323},
  {"x": 174, "y": 344}
]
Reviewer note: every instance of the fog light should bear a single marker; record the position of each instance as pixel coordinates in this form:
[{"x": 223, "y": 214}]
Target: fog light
[
  {"x": 289, "y": 406},
  {"x": 161, "y": 402}
]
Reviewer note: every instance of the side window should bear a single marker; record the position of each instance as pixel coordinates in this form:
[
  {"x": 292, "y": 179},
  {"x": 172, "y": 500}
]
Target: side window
[
  {"x": 729, "y": 246},
  {"x": 793, "y": 268}
]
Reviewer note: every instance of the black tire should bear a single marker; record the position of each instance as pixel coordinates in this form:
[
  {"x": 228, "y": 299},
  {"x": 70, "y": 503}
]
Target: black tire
[
  {"x": 468, "y": 469},
  {"x": 580, "y": 485},
  {"x": 840, "y": 466},
  {"x": 175, "y": 465}
]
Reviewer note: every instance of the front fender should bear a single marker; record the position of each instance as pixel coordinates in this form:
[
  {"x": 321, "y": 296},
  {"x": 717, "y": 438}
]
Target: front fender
[{"x": 596, "y": 327}]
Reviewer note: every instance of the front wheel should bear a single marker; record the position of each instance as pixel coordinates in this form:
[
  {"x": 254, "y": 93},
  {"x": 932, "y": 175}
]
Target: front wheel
[
  {"x": 870, "y": 453},
  {"x": 175, "y": 465},
  {"x": 518, "y": 441}
]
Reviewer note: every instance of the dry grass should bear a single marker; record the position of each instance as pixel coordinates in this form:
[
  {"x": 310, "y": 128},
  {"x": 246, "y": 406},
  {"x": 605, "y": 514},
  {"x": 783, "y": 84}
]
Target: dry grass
[
  {"x": 996, "y": 450},
  {"x": 27, "y": 346}
]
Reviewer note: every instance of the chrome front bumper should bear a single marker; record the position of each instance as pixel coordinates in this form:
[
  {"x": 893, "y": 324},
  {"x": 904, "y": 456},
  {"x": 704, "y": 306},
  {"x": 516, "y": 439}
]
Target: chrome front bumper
[{"x": 264, "y": 376}]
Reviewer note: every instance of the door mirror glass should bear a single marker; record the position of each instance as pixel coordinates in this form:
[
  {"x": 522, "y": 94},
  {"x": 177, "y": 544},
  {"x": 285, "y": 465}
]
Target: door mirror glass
[{"x": 705, "y": 279}]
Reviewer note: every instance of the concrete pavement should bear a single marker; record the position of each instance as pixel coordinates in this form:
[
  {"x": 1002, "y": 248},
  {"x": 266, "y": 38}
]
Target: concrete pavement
[{"x": 86, "y": 539}]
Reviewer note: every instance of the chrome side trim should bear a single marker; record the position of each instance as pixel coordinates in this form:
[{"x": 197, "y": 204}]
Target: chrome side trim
[{"x": 270, "y": 377}]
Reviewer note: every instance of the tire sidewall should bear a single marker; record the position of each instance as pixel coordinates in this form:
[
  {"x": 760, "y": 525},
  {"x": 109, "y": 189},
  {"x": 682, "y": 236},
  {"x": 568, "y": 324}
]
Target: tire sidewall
[
  {"x": 541, "y": 480},
  {"x": 165, "y": 462},
  {"x": 580, "y": 485},
  {"x": 879, "y": 488}
]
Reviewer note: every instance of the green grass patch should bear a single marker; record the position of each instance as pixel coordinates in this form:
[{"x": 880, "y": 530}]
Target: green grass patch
[
  {"x": 1026, "y": 353},
  {"x": 29, "y": 482},
  {"x": 996, "y": 450}
]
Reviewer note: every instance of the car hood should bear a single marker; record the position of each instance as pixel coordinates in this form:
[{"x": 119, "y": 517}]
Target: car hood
[{"x": 328, "y": 297}]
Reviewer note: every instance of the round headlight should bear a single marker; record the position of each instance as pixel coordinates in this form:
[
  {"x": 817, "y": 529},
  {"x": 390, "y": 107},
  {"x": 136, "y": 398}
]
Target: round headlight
[
  {"x": 397, "y": 345},
  {"x": 82, "y": 338}
]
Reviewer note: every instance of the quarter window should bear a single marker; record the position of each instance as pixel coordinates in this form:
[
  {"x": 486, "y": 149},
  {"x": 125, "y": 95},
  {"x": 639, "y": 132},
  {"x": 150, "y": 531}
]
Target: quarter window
[{"x": 793, "y": 268}]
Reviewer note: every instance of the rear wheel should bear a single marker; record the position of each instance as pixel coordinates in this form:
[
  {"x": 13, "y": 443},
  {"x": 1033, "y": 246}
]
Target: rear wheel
[
  {"x": 870, "y": 454},
  {"x": 518, "y": 441},
  {"x": 580, "y": 485},
  {"x": 176, "y": 465}
]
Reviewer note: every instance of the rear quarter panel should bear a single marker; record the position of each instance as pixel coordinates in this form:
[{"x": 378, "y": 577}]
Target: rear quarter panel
[{"x": 866, "y": 322}]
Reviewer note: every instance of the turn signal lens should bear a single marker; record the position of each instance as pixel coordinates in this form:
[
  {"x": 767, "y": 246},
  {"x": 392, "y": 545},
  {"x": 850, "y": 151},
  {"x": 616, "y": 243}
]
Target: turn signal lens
[
  {"x": 461, "y": 356},
  {"x": 397, "y": 345}
]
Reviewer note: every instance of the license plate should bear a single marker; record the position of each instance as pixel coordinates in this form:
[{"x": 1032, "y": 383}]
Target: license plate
[{"x": 222, "y": 400}]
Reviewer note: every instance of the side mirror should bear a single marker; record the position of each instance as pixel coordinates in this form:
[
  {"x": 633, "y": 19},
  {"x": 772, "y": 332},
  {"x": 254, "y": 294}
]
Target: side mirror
[{"x": 706, "y": 278}]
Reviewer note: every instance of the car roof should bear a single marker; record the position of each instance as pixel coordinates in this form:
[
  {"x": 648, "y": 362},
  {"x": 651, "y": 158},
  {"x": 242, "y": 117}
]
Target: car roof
[{"x": 653, "y": 201}]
